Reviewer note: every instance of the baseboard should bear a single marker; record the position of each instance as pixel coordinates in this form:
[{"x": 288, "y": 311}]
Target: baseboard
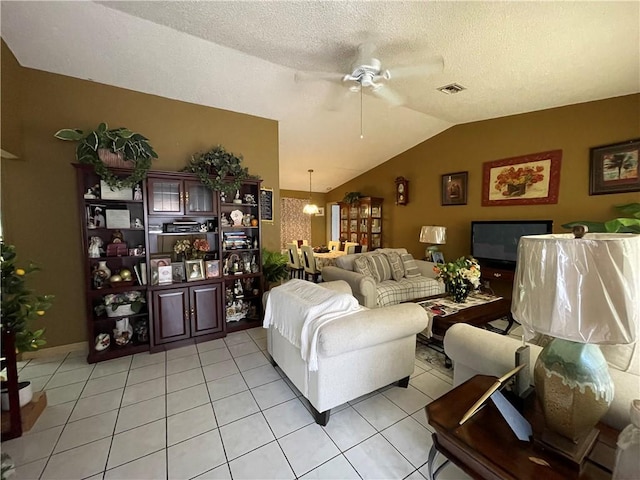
[{"x": 60, "y": 349}]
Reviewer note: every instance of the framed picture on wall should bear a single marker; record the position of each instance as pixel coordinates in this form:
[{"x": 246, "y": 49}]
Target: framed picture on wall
[
  {"x": 532, "y": 179},
  {"x": 454, "y": 188},
  {"x": 320, "y": 212},
  {"x": 614, "y": 168}
]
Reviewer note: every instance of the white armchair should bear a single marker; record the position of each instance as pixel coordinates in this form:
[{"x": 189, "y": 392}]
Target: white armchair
[{"x": 356, "y": 354}]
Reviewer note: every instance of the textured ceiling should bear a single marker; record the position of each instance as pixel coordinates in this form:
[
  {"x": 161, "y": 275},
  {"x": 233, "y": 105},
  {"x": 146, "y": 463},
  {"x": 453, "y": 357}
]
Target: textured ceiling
[{"x": 512, "y": 57}]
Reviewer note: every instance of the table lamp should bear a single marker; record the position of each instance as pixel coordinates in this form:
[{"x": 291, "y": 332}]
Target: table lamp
[
  {"x": 584, "y": 292},
  {"x": 434, "y": 235}
]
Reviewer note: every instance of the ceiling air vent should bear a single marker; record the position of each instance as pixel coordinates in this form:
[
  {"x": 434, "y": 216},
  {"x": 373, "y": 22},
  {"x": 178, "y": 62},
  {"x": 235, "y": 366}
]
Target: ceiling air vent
[{"x": 451, "y": 88}]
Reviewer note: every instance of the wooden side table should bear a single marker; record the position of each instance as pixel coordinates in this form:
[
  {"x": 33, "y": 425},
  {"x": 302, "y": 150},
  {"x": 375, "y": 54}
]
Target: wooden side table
[{"x": 485, "y": 447}]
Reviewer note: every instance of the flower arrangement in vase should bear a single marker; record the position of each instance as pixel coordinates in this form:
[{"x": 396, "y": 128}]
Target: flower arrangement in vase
[
  {"x": 119, "y": 304},
  {"x": 460, "y": 277}
]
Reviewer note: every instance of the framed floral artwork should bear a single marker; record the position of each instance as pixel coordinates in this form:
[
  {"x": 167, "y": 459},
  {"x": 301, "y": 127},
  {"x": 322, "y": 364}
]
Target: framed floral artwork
[
  {"x": 454, "y": 188},
  {"x": 528, "y": 180},
  {"x": 614, "y": 168}
]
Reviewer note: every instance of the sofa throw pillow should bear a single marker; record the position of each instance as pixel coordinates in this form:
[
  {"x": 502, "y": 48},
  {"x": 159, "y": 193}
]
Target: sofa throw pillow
[
  {"x": 361, "y": 265},
  {"x": 410, "y": 266},
  {"x": 380, "y": 267},
  {"x": 397, "y": 268}
]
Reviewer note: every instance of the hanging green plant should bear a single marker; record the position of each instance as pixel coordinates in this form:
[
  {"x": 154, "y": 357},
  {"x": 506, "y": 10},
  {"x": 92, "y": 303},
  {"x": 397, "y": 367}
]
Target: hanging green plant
[
  {"x": 219, "y": 170},
  {"x": 123, "y": 143}
]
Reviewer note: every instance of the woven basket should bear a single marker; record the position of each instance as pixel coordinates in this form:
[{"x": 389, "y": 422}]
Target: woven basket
[{"x": 112, "y": 159}]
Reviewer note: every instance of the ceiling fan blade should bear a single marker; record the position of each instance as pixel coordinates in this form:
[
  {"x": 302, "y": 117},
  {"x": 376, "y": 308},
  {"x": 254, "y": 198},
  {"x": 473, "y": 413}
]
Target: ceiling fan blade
[
  {"x": 388, "y": 95},
  {"x": 336, "y": 99},
  {"x": 300, "y": 77},
  {"x": 432, "y": 66}
]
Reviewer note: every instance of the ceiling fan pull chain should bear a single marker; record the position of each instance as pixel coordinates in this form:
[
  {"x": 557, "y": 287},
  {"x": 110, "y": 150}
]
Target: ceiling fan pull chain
[{"x": 361, "y": 134}]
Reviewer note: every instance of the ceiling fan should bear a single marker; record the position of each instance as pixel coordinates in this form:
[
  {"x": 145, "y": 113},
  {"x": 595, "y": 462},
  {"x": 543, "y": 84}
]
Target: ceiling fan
[{"x": 368, "y": 75}]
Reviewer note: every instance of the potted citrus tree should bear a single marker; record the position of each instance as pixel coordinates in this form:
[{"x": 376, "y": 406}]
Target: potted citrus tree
[{"x": 118, "y": 147}]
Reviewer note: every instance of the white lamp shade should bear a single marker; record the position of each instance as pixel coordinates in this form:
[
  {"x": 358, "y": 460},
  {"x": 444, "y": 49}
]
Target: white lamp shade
[
  {"x": 433, "y": 234},
  {"x": 584, "y": 290},
  {"x": 310, "y": 209}
]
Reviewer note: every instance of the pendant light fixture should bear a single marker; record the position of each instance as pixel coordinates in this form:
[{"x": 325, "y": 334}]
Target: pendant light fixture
[{"x": 310, "y": 208}]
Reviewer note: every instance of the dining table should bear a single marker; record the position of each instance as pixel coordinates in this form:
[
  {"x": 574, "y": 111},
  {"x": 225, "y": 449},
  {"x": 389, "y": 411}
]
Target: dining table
[{"x": 327, "y": 259}]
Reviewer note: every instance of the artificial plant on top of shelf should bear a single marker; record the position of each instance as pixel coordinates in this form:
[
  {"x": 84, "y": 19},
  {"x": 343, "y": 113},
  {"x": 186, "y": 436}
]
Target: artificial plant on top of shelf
[
  {"x": 127, "y": 145},
  {"x": 219, "y": 170}
]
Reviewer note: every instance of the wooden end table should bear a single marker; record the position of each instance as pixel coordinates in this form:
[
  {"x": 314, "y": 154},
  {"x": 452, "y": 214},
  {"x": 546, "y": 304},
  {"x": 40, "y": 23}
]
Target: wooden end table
[{"x": 485, "y": 447}]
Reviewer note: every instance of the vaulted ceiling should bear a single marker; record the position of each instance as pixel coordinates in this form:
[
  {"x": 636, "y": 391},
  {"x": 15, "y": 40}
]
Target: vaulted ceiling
[{"x": 512, "y": 57}]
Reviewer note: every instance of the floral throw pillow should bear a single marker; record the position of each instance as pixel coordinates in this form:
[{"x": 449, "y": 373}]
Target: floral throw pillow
[{"x": 361, "y": 265}]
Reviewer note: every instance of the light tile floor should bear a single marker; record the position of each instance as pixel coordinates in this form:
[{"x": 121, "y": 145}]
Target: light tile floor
[{"x": 217, "y": 410}]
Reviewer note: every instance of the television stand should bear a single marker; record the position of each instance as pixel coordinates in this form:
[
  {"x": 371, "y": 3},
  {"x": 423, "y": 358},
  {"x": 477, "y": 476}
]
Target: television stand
[{"x": 500, "y": 280}]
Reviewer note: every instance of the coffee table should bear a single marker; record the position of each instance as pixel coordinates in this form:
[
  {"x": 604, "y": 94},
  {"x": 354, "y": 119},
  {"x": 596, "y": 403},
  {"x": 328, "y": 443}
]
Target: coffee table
[
  {"x": 479, "y": 316},
  {"x": 485, "y": 447}
]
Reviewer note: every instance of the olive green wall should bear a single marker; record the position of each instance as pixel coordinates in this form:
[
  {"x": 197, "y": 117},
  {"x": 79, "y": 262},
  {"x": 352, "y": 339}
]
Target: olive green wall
[
  {"x": 573, "y": 129},
  {"x": 318, "y": 224},
  {"x": 9, "y": 107},
  {"x": 40, "y": 210}
]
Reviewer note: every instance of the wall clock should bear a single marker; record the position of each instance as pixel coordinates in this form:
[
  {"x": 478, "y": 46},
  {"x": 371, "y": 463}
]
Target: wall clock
[{"x": 402, "y": 191}]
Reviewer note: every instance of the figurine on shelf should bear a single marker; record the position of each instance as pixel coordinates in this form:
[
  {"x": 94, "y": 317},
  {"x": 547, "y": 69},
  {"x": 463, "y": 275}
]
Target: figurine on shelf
[
  {"x": 99, "y": 277},
  {"x": 94, "y": 247},
  {"x": 223, "y": 197},
  {"x": 237, "y": 198},
  {"x": 137, "y": 223},
  {"x": 246, "y": 220},
  {"x": 224, "y": 221},
  {"x": 249, "y": 198},
  {"x": 117, "y": 236},
  {"x": 137, "y": 193}
]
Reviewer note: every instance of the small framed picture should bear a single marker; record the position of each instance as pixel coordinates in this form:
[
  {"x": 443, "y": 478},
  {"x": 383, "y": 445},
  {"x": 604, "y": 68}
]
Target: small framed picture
[
  {"x": 95, "y": 216},
  {"x": 454, "y": 188},
  {"x": 155, "y": 264},
  {"x": 437, "y": 257},
  {"x": 320, "y": 212},
  {"x": 109, "y": 193},
  {"x": 212, "y": 268},
  {"x": 165, "y": 275},
  {"x": 194, "y": 270},
  {"x": 614, "y": 168},
  {"x": 177, "y": 272}
]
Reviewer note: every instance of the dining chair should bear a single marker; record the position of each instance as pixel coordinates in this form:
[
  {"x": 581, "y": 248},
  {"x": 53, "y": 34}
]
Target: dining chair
[
  {"x": 296, "y": 270},
  {"x": 364, "y": 249},
  {"x": 334, "y": 246},
  {"x": 349, "y": 247},
  {"x": 309, "y": 263}
]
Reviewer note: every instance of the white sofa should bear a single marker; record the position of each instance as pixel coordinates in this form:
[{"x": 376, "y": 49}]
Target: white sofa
[
  {"x": 480, "y": 352},
  {"x": 356, "y": 354},
  {"x": 373, "y": 294}
]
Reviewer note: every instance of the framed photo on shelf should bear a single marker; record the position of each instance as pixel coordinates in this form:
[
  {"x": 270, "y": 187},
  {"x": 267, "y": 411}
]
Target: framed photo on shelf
[
  {"x": 165, "y": 275},
  {"x": 527, "y": 180},
  {"x": 454, "y": 188},
  {"x": 614, "y": 168},
  {"x": 177, "y": 272},
  {"x": 155, "y": 263},
  {"x": 437, "y": 257},
  {"x": 212, "y": 268},
  {"x": 194, "y": 270}
]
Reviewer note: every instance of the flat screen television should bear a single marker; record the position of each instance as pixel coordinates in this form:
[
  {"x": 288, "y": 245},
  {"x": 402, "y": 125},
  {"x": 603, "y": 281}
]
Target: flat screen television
[{"x": 495, "y": 243}]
